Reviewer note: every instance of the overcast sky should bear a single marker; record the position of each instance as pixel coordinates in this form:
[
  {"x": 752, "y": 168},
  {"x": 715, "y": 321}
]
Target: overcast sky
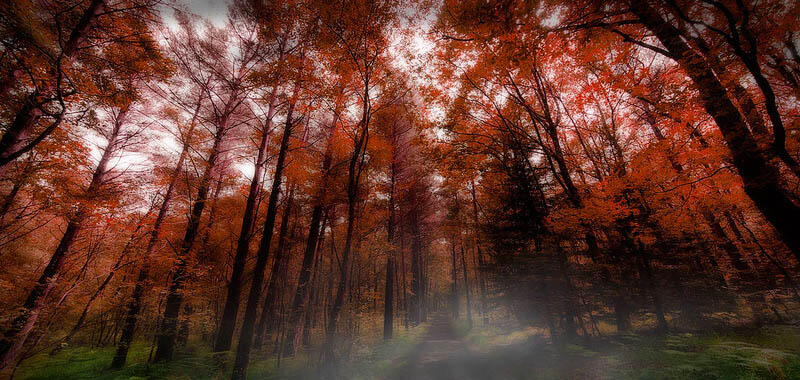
[{"x": 214, "y": 10}]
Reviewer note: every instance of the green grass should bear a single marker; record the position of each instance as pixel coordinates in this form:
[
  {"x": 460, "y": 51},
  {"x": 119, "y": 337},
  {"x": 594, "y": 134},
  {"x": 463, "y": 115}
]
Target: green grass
[
  {"x": 93, "y": 363},
  {"x": 768, "y": 353},
  {"x": 772, "y": 352},
  {"x": 198, "y": 363}
]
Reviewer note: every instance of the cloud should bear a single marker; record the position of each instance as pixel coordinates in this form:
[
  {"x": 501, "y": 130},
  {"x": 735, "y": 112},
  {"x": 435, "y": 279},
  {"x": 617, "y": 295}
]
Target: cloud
[{"x": 215, "y": 11}]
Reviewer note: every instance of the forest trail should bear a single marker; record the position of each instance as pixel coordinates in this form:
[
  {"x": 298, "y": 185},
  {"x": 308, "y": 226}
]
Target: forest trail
[{"x": 442, "y": 355}]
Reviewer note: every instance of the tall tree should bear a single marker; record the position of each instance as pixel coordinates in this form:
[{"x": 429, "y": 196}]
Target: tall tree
[
  {"x": 16, "y": 335},
  {"x": 249, "y": 323}
]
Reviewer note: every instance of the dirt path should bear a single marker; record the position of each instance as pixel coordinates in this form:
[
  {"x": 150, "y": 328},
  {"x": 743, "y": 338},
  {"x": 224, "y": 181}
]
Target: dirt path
[{"x": 441, "y": 355}]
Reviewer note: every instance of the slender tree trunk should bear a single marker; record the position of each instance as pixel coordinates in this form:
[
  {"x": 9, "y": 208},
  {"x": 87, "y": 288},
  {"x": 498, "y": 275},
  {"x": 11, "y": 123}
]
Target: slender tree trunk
[
  {"x": 417, "y": 282},
  {"x": 388, "y": 299},
  {"x": 478, "y": 254},
  {"x": 15, "y": 336},
  {"x": 454, "y": 285},
  {"x": 169, "y": 321},
  {"x": 212, "y": 217},
  {"x": 466, "y": 286},
  {"x": 268, "y": 322},
  {"x": 251, "y": 309},
  {"x": 228, "y": 323},
  {"x": 135, "y": 304},
  {"x": 295, "y": 329},
  {"x": 655, "y": 290},
  {"x": 354, "y": 176},
  {"x": 403, "y": 278},
  {"x": 312, "y": 306},
  {"x": 734, "y": 227}
]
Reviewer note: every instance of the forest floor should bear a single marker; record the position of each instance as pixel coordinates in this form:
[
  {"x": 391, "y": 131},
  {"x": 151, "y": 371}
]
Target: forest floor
[{"x": 442, "y": 349}]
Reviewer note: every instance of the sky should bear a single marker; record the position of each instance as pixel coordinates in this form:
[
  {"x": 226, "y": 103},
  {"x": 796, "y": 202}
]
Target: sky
[{"x": 214, "y": 10}]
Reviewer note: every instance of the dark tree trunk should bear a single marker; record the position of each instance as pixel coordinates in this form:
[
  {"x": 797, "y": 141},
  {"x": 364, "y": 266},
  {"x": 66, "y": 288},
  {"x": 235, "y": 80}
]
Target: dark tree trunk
[
  {"x": 654, "y": 289},
  {"x": 454, "y": 285},
  {"x": 135, "y": 304},
  {"x": 478, "y": 255},
  {"x": 295, "y": 329},
  {"x": 733, "y": 252},
  {"x": 169, "y": 320},
  {"x": 356, "y": 165},
  {"x": 268, "y": 323},
  {"x": 388, "y": 299},
  {"x": 466, "y": 286},
  {"x": 251, "y": 309},
  {"x": 417, "y": 282},
  {"x": 761, "y": 179},
  {"x": 312, "y": 306},
  {"x": 403, "y": 279},
  {"x": 231, "y": 309}
]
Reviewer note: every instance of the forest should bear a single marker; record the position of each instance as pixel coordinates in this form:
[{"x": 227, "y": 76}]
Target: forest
[{"x": 400, "y": 189}]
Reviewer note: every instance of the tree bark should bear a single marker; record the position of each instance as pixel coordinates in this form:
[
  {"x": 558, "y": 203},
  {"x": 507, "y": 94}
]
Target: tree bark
[
  {"x": 761, "y": 179},
  {"x": 135, "y": 304},
  {"x": 15, "y": 336},
  {"x": 231, "y": 309},
  {"x": 169, "y": 320},
  {"x": 251, "y": 309}
]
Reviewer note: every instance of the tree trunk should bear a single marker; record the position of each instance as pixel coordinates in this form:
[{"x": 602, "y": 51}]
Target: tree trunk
[
  {"x": 295, "y": 329},
  {"x": 15, "y": 336},
  {"x": 169, "y": 321},
  {"x": 135, "y": 304},
  {"x": 761, "y": 179},
  {"x": 312, "y": 306},
  {"x": 466, "y": 286},
  {"x": 268, "y": 323},
  {"x": 733, "y": 252},
  {"x": 228, "y": 322},
  {"x": 454, "y": 284},
  {"x": 478, "y": 255},
  {"x": 388, "y": 300},
  {"x": 251, "y": 309},
  {"x": 354, "y": 176}
]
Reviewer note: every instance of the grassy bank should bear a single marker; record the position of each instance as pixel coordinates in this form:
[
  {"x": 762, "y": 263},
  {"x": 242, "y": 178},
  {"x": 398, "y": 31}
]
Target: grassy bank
[
  {"x": 196, "y": 362},
  {"x": 772, "y": 352}
]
